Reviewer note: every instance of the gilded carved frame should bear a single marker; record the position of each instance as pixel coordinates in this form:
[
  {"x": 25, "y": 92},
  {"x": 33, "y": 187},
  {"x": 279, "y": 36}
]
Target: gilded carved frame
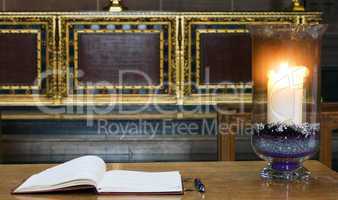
[
  {"x": 240, "y": 20},
  {"x": 198, "y": 57},
  {"x": 44, "y": 89},
  {"x": 168, "y": 94},
  {"x": 37, "y": 84},
  {"x": 180, "y": 67},
  {"x": 76, "y": 66}
]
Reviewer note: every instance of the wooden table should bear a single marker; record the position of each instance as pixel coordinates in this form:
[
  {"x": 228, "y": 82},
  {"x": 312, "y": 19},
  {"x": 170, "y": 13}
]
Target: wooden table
[{"x": 224, "y": 180}]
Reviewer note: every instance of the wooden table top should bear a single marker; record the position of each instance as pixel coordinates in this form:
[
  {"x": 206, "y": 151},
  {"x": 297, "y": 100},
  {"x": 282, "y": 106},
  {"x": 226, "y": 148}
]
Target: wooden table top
[{"x": 223, "y": 180}]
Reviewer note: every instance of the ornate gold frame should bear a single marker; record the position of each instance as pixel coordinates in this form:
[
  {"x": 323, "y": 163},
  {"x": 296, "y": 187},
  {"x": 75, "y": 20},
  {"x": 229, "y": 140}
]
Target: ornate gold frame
[
  {"x": 244, "y": 18},
  {"x": 198, "y": 58},
  {"x": 38, "y": 58},
  {"x": 119, "y": 18},
  {"x": 179, "y": 69},
  {"x": 76, "y": 67},
  {"x": 48, "y": 23}
]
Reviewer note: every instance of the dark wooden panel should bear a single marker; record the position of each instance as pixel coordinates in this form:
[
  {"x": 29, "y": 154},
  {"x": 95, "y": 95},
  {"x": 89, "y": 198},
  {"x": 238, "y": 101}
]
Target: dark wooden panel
[
  {"x": 124, "y": 128},
  {"x": 139, "y": 5},
  {"x": 126, "y": 140},
  {"x": 113, "y": 149},
  {"x": 335, "y": 150},
  {"x": 104, "y": 57},
  {"x": 196, "y": 5},
  {"x": 227, "y": 57},
  {"x": 18, "y": 59},
  {"x": 330, "y": 50},
  {"x": 329, "y": 7},
  {"x": 330, "y": 47},
  {"x": 261, "y": 5},
  {"x": 52, "y": 5},
  {"x": 165, "y": 5},
  {"x": 207, "y": 5},
  {"x": 329, "y": 84}
]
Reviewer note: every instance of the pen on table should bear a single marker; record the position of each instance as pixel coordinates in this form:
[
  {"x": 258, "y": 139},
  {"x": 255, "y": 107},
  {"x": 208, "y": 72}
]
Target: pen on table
[{"x": 199, "y": 185}]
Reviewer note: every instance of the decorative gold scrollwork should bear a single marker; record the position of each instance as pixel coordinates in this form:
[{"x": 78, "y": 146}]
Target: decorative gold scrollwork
[{"x": 56, "y": 28}]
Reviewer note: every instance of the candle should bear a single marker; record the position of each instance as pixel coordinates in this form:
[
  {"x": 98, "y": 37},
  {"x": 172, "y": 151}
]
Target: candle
[{"x": 286, "y": 94}]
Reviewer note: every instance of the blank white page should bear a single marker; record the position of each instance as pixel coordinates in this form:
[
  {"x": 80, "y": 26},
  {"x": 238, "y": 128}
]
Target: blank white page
[
  {"x": 120, "y": 181},
  {"x": 91, "y": 168}
]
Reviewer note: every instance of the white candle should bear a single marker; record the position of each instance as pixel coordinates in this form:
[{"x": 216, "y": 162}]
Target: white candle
[{"x": 286, "y": 94}]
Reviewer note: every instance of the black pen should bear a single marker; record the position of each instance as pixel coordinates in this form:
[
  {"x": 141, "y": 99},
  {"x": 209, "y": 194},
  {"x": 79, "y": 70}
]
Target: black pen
[{"x": 199, "y": 185}]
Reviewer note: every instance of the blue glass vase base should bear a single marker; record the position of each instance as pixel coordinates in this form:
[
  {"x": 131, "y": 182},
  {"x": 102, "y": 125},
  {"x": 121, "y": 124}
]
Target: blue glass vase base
[{"x": 300, "y": 173}]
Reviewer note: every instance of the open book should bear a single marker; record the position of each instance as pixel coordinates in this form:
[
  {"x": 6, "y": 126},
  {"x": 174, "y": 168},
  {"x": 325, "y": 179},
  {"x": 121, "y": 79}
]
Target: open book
[{"x": 90, "y": 172}]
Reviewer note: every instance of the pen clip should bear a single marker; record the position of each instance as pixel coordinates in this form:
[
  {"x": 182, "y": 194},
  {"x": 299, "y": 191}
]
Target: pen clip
[{"x": 199, "y": 185}]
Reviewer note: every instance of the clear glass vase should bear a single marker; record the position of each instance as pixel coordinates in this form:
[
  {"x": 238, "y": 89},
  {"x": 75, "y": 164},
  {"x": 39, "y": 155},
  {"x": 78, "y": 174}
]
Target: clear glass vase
[{"x": 286, "y": 78}]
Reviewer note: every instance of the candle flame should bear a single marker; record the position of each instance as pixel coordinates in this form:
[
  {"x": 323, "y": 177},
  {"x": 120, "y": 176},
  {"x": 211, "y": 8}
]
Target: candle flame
[{"x": 285, "y": 70}]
